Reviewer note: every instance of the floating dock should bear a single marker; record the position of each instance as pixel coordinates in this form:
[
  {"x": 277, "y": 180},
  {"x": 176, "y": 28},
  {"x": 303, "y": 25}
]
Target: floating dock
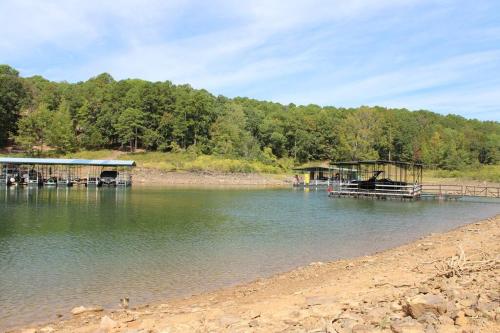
[
  {"x": 378, "y": 179},
  {"x": 64, "y": 172}
]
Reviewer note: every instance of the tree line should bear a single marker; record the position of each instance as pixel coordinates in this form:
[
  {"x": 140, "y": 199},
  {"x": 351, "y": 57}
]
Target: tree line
[{"x": 160, "y": 116}]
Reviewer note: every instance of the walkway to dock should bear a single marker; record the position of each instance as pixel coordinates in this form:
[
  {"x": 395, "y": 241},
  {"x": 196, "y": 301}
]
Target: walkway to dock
[
  {"x": 417, "y": 191},
  {"x": 459, "y": 191}
]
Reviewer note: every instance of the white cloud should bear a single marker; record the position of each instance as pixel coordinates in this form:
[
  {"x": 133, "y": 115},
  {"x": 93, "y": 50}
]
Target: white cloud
[
  {"x": 325, "y": 52},
  {"x": 73, "y": 24}
]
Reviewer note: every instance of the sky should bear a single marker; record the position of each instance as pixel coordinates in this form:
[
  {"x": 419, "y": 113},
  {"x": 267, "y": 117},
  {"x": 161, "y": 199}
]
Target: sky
[{"x": 442, "y": 56}]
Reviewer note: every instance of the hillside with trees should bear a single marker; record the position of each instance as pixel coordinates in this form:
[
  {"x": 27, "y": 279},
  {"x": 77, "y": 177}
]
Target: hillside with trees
[{"x": 102, "y": 113}]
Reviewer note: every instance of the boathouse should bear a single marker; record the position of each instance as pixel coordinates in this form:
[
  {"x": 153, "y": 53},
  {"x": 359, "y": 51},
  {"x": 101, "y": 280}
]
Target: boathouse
[
  {"x": 312, "y": 176},
  {"x": 65, "y": 172},
  {"x": 377, "y": 179}
]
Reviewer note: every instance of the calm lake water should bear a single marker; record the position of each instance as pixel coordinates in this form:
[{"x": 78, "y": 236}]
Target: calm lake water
[{"x": 61, "y": 248}]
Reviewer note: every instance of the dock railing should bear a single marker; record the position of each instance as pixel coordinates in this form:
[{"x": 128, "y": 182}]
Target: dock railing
[
  {"x": 461, "y": 190},
  {"x": 380, "y": 190}
]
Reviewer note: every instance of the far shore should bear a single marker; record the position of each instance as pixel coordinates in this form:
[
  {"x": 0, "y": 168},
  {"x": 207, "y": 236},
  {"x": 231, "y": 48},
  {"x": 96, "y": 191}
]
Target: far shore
[{"x": 445, "y": 282}]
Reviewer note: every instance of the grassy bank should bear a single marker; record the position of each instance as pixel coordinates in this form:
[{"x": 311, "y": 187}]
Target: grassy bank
[
  {"x": 190, "y": 162},
  {"x": 489, "y": 173}
]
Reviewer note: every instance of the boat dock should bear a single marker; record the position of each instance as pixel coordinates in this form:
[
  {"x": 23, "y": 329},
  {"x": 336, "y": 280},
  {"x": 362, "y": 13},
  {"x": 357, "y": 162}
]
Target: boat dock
[
  {"x": 15, "y": 171},
  {"x": 378, "y": 179}
]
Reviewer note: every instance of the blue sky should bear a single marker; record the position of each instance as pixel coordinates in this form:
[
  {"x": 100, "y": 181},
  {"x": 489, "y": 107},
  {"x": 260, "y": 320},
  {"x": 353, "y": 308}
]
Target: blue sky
[{"x": 443, "y": 56}]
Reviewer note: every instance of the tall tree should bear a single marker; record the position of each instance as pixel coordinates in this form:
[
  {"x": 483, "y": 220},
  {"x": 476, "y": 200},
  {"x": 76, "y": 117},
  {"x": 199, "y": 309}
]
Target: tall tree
[
  {"x": 61, "y": 134},
  {"x": 229, "y": 135},
  {"x": 129, "y": 127},
  {"x": 12, "y": 97},
  {"x": 33, "y": 128}
]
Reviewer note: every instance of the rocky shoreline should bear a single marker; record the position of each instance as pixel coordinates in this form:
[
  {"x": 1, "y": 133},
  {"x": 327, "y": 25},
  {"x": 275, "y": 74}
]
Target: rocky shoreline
[{"x": 442, "y": 283}]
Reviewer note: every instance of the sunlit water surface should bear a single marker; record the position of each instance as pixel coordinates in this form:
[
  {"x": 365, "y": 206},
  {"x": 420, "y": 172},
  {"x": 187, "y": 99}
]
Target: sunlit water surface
[{"x": 61, "y": 248}]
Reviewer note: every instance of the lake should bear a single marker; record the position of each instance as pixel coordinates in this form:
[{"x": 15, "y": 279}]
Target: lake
[{"x": 65, "y": 247}]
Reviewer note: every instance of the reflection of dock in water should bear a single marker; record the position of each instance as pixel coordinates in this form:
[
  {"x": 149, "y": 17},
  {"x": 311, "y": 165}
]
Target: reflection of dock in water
[{"x": 57, "y": 196}]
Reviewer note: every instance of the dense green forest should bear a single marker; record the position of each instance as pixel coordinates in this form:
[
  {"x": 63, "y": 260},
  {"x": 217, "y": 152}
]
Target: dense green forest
[{"x": 160, "y": 116}]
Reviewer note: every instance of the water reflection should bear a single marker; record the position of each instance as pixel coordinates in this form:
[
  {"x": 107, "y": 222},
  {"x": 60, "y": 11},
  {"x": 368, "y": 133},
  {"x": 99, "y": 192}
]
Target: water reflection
[{"x": 34, "y": 195}]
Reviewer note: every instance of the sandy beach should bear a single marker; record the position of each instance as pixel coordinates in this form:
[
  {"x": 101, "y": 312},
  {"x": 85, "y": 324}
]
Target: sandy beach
[{"x": 446, "y": 282}]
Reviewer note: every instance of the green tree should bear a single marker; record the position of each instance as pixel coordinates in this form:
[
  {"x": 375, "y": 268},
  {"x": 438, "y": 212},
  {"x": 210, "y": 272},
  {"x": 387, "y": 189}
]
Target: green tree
[
  {"x": 361, "y": 134},
  {"x": 32, "y": 132},
  {"x": 229, "y": 135},
  {"x": 129, "y": 126},
  {"x": 60, "y": 133},
  {"x": 12, "y": 97}
]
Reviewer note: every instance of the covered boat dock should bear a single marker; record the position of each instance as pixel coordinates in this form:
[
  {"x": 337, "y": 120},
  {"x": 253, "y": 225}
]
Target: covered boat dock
[
  {"x": 64, "y": 172},
  {"x": 378, "y": 179},
  {"x": 313, "y": 176}
]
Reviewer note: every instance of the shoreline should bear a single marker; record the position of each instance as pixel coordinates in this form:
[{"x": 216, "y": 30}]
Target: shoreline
[
  {"x": 334, "y": 296},
  {"x": 156, "y": 177}
]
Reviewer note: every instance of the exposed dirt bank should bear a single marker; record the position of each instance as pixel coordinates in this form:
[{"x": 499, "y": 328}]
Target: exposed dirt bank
[
  {"x": 154, "y": 177},
  {"x": 446, "y": 282}
]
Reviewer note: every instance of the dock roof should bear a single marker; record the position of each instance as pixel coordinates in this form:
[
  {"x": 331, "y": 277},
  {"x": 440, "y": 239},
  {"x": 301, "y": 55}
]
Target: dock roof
[
  {"x": 66, "y": 161},
  {"x": 375, "y": 162},
  {"x": 312, "y": 168}
]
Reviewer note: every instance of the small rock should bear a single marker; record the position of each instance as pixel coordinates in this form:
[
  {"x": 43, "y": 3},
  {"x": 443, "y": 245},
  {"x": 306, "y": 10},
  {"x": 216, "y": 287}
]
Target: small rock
[
  {"x": 147, "y": 323},
  {"x": 469, "y": 312},
  {"x": 428, "y": 318},
  {"x": 318, "y": 300},
  {"x": 313, "y": 323},
  {"x": 47, "y": 329},
  {"x": 395, "y": 306},
  {"x": 466, "y": 302},
  {"x": 451, "y": 309},
  {"x": 317, "y": 263},
  {"x": 253, "y": 323},
  {"x": 29, "y": 330},
  {"x": 351, "y": 316},
  {"x": 344, "y": 325},
  {"x": 445, "y": 320},
  {"x": 107, "y": 324},
  {"x": 291, "y": 322},
  {"x": 424, "y": 289},
  {"x": 461, "y": 320},
  {"x": 129, "y": 319},
  {"x": 228, "y": 320},
  {"x": 363, "y": 329},
  {"x": 82, "y": 309},
  {"x": 487, "y": 306},
  {"x": 447, "y": 329},
  {"x": 421, "y": 304},
  {"x": 405, "y": 326}
]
